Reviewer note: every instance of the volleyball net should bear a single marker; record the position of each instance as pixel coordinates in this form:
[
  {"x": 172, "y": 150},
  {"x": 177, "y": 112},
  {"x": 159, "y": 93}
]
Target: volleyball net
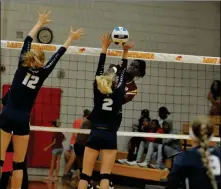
[{"x": 180, "y": 83}]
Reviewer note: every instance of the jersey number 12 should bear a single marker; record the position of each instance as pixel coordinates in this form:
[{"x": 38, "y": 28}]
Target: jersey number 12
[
  {"x": 30, "y": 81},
  {"x": 107, "y": 104}
]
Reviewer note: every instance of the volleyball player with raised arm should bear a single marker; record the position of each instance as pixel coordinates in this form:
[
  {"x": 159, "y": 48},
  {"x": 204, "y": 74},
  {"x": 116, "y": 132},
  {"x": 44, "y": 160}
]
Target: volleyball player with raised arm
[
  {"x": 108, "y": 100},
  {"x": 199, "y": 167},
  {"x": 28, "y": 79}
]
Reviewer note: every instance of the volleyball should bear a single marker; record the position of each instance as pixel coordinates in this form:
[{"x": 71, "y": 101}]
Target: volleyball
[{"x": 120, "y": 35}]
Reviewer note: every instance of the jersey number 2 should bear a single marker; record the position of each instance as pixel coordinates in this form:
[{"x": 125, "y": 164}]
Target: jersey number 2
[
  {"x": 215, "y": 165},
  {"x": 30, "y": 81},
  {"x": 107, "y": 105}
]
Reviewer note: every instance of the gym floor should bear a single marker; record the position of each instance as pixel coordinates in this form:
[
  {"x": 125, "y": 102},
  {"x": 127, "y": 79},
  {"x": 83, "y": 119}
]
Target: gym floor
[{"x": 39, "y": 183}]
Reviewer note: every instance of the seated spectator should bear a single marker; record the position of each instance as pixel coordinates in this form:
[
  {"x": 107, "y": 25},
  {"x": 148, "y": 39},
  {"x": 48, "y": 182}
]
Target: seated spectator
[
  {"x": 214, "y": 97},
  {"x": 70, "y": 154},
  {"x": 79, "y": 147},
  {"x": 150, "y": 143},
  {"x": 169, "y": 147},
  {"x": 57, "y": 150},
  {"x": 134, "y": 142},
  {"x": 163, "y": 115}
]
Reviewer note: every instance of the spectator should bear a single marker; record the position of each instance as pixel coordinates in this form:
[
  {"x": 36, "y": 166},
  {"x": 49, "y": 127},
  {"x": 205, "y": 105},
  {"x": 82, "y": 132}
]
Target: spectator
[
  {"x": 57, "y": 150},
  {"x": 150, "y": 143},
  {"x": 79, "y": 147},
  {"x": 214, "y": 97},
  {"x": 134, "y": 142},
  {"x": 70, "y": 154},
  {"x": 163, "y": 114},
  {"x": 169, "y": 147}
]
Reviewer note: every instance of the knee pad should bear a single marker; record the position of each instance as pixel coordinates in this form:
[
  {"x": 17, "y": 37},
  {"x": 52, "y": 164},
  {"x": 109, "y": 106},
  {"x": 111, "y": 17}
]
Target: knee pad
[
  {"x": 1, "y": 163},
  {"x": 19, "y": 166},
  {"x": 105, "y": 176},
  {"x": 85, "y": 177}
]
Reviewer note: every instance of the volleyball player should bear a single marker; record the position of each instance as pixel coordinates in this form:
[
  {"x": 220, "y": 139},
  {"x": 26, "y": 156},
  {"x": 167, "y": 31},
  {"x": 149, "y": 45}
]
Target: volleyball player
[
  {"x": 26, "y": 84},
  {"x": 7, "y": 167},
  {"x": 199, "y": 167},
  {"x": 108, "y": 100}
]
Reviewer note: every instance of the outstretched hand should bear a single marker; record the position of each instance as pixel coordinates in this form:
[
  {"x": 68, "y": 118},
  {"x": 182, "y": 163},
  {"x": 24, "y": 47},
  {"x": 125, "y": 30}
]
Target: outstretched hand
[
  {"x": 75, "y": 35},
  {"x": 128, "y": 46},
  {"x": 44, "y": 18},
  {"x": 106, "y": 41}
]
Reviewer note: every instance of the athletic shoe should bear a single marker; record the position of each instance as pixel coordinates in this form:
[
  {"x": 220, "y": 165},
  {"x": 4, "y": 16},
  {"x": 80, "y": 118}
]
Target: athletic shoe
[
  {"x": 132, "y": 163},
  {"x": 111, "y": 185},
  {"x": 143, "y": 164},
  {"x": 122, "y": 161}
]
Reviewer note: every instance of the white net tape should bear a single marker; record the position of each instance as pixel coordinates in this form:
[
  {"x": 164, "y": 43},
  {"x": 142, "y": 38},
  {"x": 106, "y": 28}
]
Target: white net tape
[
  {"x": 119, "y": 133},
  {"x": 153, "y": 56}
]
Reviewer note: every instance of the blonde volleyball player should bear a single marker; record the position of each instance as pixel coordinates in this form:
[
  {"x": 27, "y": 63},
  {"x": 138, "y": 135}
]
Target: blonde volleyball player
[
  {"x": 108, "y": 101},
  {"x": 28, "y": 79},
  {"x": 199, "y": 167}
]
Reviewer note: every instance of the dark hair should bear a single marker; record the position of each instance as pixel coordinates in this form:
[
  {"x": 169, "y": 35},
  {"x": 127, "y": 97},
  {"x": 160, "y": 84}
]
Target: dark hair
[
  {"x": 216, "y": 93},
  {"x": 142, "y": 67},
  {"x": 55, "y": 122},
  {"x": 86, "y": 113},
  {"x": 164, "y": 110},
  {"x": 157, "y": 124},
  {"x": 202, "y": 130}
]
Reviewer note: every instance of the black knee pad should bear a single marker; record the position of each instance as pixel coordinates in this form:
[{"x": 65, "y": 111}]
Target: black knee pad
[
  {"x": 1, "y": 163},
  {"x": 19, "y": 166},
  {"x": 85, "y": 177},
  {"x": 105, "y": 176}
]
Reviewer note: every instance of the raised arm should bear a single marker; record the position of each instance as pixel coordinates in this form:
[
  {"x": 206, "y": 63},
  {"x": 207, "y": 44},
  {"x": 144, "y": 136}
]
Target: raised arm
[
  {"x": 105, "y": 44},
  {"x": 123, "y": 69},
  {"x": 43, "y": 19},
  {"x": 74, "y": 35}
]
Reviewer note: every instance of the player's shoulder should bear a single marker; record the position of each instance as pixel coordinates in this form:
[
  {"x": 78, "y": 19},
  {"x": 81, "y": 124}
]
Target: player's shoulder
[{"x": 185, "y": 156}]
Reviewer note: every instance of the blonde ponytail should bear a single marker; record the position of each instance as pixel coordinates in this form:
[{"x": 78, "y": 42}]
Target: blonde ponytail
[
  {"x": 104, "y": 83},
  {"x": 205, "y": 155},
  {"x": 202, "y": 131},
  {"x": 28, "y": 59}
]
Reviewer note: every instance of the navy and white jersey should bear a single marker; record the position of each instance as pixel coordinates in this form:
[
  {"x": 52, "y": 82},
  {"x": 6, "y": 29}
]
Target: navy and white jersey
[
  {"x": 27, "y": 83},
  {"x": 5, "y": 99},
  {"x": 189, "y": 171},
  {"x": 107, "y": 107}
]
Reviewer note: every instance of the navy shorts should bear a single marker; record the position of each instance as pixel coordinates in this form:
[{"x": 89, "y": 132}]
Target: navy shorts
[
  {"x": 18, "y": 127},
  {"x": 102, "y": 139}
]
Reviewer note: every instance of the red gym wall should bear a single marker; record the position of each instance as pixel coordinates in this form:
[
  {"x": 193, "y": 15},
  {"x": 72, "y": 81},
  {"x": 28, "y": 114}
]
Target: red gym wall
[{"x": 45, "y": 110}]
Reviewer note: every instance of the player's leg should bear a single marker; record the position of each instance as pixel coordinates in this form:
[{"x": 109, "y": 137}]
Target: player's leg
[
  {"x": 4, "y": 180},
  {"x": 20, "y": 144},
  {"x": 108, "y": 160},
  {"x": 5, "y": 138},
  {"x": 90, "y": 157},
  {"x": 25, "y": 177}
]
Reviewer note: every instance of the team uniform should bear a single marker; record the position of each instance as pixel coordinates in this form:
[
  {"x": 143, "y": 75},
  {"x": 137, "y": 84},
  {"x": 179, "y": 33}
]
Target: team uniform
[
  {"x": 189, "y": 170},
  {"x": 104, "y": 117},
  {"x": 26, "y": 84}
]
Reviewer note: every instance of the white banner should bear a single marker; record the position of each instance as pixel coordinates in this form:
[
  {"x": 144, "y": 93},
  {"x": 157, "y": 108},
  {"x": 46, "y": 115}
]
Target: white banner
[{"x": 152, "y": 56}]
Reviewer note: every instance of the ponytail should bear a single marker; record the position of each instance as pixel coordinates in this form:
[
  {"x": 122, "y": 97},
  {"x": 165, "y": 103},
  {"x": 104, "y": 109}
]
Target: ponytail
[
  {"x": 205, "y": 155},
  {"x": 104, "y": 83},
  {"x": 28, "y": 59},
  {"x": 202, "y": 131}
]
